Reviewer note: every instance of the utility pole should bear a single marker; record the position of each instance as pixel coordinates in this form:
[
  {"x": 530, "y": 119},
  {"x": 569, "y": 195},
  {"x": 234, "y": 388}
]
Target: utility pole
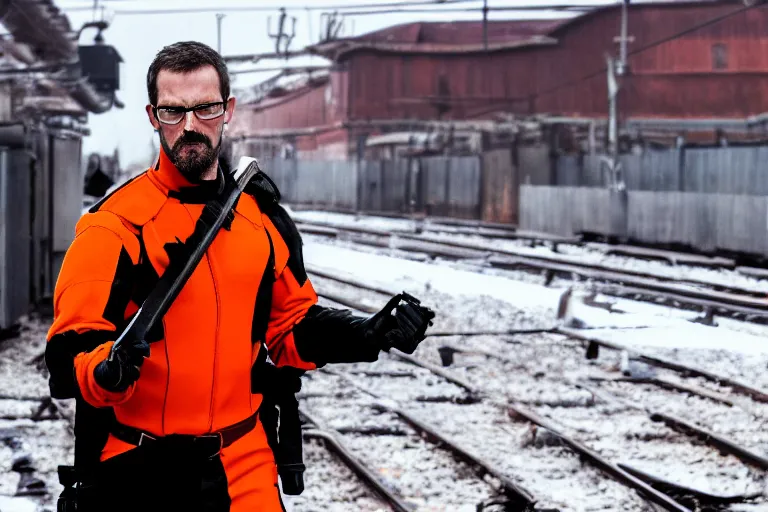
[
  {"x": 485, "y": 24},
  {"x": 617, "y": 68},
  {"x": 613, "y": 122},
  {"x": 622, "y": 64},
  {"x": 219, "y": 17}
]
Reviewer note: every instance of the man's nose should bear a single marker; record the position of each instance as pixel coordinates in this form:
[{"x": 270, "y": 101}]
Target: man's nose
[{"x": 190, "y": 121}]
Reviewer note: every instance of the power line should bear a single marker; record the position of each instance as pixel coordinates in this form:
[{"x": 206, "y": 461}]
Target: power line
[
  {"x": 571, "y": 8},
  {"x": 263, "y": 8}
]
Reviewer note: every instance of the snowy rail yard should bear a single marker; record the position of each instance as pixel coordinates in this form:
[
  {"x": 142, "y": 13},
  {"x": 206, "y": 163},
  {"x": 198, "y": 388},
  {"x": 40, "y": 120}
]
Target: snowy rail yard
[{"x": 535, "y": 391}]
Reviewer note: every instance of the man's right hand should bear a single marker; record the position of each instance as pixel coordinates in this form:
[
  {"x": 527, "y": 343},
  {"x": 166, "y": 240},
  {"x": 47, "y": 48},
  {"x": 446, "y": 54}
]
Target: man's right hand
[{"x": 121, "y": 369}]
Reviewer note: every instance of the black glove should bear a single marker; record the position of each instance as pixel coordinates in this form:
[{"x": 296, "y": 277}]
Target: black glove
[
  {"x": 401, "y": 324},
  {"x": 328, "y": 335},
  {"x": 121, "y": 369}
]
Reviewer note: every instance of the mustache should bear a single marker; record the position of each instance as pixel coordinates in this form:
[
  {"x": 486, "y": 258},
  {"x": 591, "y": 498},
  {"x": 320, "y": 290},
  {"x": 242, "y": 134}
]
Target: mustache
[{"x": 192, "y": 138}]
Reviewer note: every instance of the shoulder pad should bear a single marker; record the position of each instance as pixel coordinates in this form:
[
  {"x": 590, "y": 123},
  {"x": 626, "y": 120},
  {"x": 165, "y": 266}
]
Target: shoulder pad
[
  {"x": 292, "y": 238},
  {"x": 264, "y": 190},
  {"x": 137, "y": 200},
  {"x": 267, "y": 196}
]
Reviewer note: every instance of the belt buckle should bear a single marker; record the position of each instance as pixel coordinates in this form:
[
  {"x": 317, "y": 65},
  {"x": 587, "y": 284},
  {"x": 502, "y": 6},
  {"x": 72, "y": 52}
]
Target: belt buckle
[
  {"x": 144, "y": 437},
  {"x": 221, "y": 442}
]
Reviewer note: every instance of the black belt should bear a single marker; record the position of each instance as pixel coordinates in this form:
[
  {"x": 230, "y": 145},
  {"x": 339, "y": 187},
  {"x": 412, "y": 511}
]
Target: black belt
[{"x": 210, "y": 444}]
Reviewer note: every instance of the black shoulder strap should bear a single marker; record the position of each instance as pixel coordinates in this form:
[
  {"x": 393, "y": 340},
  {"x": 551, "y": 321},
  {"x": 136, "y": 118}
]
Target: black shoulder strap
[{"x": 267, "y": 196}]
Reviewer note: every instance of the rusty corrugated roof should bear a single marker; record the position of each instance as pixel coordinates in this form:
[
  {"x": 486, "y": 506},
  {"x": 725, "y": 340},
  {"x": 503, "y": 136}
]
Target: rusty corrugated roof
[
  {"x": 445, "y": 37},
  {"x": 461, "y": 32}
]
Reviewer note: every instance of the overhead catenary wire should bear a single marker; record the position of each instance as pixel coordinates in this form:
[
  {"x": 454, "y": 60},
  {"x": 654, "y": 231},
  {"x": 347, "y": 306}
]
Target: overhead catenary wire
[
  {"x": 567, "y": 8},
  {"x": 264, "y": 8}
]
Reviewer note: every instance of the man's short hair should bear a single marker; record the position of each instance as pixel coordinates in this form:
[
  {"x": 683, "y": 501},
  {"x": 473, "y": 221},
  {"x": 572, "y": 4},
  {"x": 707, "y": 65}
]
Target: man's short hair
[{"x": 185, "y": 57}]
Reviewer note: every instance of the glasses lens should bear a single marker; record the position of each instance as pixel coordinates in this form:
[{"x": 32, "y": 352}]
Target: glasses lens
[
  {"x": 169, "y": 115},
  {"x": 210, "y": 111}
]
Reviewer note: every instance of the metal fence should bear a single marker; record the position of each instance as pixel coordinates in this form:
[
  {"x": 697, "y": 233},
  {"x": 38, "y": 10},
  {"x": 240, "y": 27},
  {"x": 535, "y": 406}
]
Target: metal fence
[
  {"x": 705, "y": 222},
  {"x": 731, "y": 170},
  {"x": 437, "y": 185}
]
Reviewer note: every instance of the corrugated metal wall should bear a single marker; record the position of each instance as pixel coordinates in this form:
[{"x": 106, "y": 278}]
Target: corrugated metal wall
[
  {"x": 67, "y": 200},
  {"x": 706, "y": 222},
  {"x": 384, "y": 186},
  {"x": 570, "y": 210},
  {"x": 43, "y": 278},
  {"x": 535, "y": 165},
  {"x": 501, "y": 185},
  {"x": 435, "y": 185},
  {"x": 15, "y": 230},
  {"x": 733, "y": 170}
]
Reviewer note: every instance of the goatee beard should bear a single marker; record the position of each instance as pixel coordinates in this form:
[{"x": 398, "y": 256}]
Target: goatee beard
[{"x": 197, "y": 161}]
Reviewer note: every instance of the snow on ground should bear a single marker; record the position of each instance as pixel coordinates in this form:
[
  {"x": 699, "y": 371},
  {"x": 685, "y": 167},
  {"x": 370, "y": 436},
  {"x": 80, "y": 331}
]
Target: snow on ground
[
  {"x": 645, "y": 326},
  {"x": 466, "y": 300},
  {"x": 591, "y": 253}
]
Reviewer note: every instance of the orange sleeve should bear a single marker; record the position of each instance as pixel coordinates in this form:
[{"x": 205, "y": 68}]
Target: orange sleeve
[
  {"x": 90, "y": 300},
  {"x": 290, "y": 303}
]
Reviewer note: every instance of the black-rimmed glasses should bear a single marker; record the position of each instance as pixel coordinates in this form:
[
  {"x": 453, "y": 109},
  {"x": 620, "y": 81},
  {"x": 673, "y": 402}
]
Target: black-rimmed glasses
[{"x": 204, "y": 112}]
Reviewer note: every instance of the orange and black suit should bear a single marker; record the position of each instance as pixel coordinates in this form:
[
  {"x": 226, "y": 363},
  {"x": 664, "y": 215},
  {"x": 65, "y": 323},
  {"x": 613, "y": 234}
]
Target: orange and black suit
[{"x": 197, "y": 378}]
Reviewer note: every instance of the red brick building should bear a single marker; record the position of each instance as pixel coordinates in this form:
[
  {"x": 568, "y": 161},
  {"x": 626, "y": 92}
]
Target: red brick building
[{"x": 687, "y": 60}]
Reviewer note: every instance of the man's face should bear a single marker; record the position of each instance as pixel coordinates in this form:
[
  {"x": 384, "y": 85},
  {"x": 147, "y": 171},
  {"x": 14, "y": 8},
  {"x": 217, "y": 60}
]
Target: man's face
[{"x": 193, "y": 144}]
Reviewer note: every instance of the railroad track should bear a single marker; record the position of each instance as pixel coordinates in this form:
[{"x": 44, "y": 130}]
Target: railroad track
[
  {"x": 445, "y": 417},
  {"x": 501, "y": 231},
  {"x": 602, "y": 397},
  {"x": 388, "y": 442},
  {"x": 709, "y": 297}
]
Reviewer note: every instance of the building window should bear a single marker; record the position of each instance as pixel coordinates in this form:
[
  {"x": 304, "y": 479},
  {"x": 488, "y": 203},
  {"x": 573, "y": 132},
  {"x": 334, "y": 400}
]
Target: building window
[{"x": 719, "y": 56}]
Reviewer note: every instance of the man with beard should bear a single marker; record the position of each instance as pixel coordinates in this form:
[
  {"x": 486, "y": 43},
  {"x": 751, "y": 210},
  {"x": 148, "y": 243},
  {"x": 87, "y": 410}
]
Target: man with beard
[{"x": 172, "y": 422}]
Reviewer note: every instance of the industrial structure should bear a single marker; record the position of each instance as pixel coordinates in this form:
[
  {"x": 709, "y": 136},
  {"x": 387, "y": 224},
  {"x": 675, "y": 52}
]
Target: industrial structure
[
  {"x": 683, "y": 67},
  {"x": 49, "y": 83}
]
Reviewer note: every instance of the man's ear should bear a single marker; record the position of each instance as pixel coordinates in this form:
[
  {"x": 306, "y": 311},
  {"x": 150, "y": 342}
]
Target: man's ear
[
  {"x": 152, "y": 119},
  {"x": 231, "y": 102}
]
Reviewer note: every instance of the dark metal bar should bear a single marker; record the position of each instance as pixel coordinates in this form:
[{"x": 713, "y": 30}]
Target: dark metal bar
[
  {"x": 24, "y": 398},
  {"x": 604, "y": 465},
  {"x": 511, "y": 332},
  {"x": 348, "y": 302},
  {"x": 688, "y": 493},
  {"x": 712, "y": 439},
  {"x": 318, "y": 230},
  {"x": 372, "y": 431},
  {"x": 436, "y": 370},
  {"x": 333, "y": 277},
  {"x": 673, "y": 386}
]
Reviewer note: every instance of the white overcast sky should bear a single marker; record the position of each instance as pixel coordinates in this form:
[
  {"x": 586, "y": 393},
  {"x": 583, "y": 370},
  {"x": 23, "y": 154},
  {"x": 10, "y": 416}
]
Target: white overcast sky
[{"x": 138, "y": 37}]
